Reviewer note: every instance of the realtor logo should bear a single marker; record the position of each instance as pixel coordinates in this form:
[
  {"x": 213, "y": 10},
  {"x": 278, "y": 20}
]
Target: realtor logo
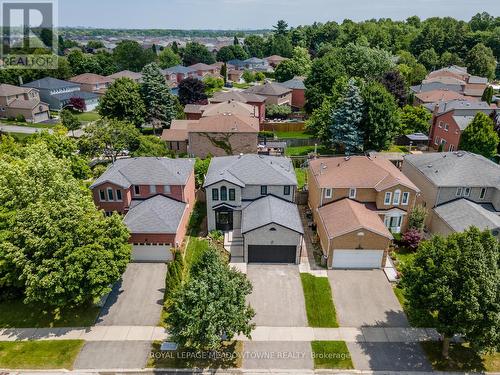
[{"x": 28, "y": 35}]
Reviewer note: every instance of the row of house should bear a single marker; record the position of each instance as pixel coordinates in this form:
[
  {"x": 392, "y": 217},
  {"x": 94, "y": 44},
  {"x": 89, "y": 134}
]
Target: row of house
[{"x": 251, "y": 198}]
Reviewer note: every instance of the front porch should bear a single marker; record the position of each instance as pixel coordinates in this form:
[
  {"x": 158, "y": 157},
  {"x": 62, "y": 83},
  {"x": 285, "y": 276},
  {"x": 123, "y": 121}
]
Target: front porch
[{"x": 233, "y": 243}]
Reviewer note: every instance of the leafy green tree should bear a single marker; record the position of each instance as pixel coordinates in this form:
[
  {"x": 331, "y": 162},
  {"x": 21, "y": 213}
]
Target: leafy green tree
[
  {"x": 278, "y": 44},
  {"x": 223, "y": 72},
  {"x": 415, "y": 119},
  {"x": 191, "y": 91},
  {"x": 57, "y": 249},
  {"x": 129, "y": 55},
  {"x": 109, "y": 138},
  {"x": 255, "y": 46},
  {"x": 227, "y": 53},
  {"x": 150, "y": 145},
  {"x": 487, "y": 95},
  {"x": 281, "y": 28},
  {"x": 480, "y": 136},
  {"x": 211, "y": 305},
  {"x": 95, "y": 44},
  {"x": 394, "y": 82},
  {"x": 212, "y": 85},
  {"x": 416, "y": 219},
  {"x": 69, "y": 121},
  {"x": 448, "y": 59},
  {"x": 455, "y": 282},
  {"x": 481, "y": 62},
  {"x": 248, "y": 76},
  {"x": 345, "y": 128},
  {"x": 197, "y": 53},
  {"x": 380, "y": 122},
  {"x": 429, "y": 58},
  {"x": 236, "y": 42},
  {"x": 123, "y": 101},
  {"x": 278, "y": 111},
  {"x": 298, "y": 65},
  {"x": 168, "y": 58},
  {"x": 158, "y": 100},
  {"x": 365, "y": 62},
  {"x": 200, "y": 170}
]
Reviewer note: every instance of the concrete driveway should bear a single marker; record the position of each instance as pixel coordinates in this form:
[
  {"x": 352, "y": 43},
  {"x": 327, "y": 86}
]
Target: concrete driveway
[
  {"x": 365, "y": 298},
  {"x": 113, "y": 355},
  {"x": 137, "y": 299},
  {"x": 277, "y": 296}
]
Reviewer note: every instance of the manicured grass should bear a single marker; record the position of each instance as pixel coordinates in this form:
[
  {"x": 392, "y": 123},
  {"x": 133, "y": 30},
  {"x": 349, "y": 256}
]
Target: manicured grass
[
  {"x": 297, "y": 135},
  {"x": 241, "y": 85},
  {"x": 462, "y": 358},
  {"x": 56, "y": 354},
  {"x": 403, "y": 257},
  {"x": 331, "y": 354},
  {"x": 230, "y": 356},
  {"x": 304, "y": 150},
  {"x": 88, "y": 116},
  {"x": 319, "y": 304},
  {"x": 301, "y": 177},
  {"x": 17, "y": 314},
  {"x": 395, "y": 148}
]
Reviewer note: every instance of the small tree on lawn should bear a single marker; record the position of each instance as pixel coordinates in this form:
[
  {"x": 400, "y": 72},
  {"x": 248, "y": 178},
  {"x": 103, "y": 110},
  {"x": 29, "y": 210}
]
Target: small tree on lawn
[
  {"x": 456, "y": 281},
  {"x": 78, "y": 104},
  {"x": 487, "y": 95},
  {"x": 480, "y": 136},
  {"x": 416, "y": 219},
  {"x": 248, "y": 76},
  {"x": 70, "y": 121},
  {"x": 211, "y": 306},
  {"x": 159, "y": 102},
  {"x": 346, "y": 119}
]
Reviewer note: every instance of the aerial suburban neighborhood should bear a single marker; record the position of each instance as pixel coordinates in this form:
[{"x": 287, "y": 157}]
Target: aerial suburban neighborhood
[{"x": 183, "y": 191}]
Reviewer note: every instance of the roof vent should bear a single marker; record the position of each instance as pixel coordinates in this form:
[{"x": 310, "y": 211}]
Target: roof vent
[{"x": 429, "y": 166}]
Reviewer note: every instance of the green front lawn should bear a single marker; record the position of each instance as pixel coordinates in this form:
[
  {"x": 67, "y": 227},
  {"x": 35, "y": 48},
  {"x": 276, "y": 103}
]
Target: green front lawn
[
  {"x": 462, "y": 358},
  {"x": 17, "y": 314},
  {"x": 55, "y": 354},
  {"x": 331, "y": 354},
  {"x": 242, "y": 86},
  {"x": 230, "y": 356},
  {"x": 88, "y": 116},
  {"x": 395, "y": 148},
  {"x": 301, "y": 174},
  {"x": 319, "y": 303},
  {"x": 297, "y": 135}
]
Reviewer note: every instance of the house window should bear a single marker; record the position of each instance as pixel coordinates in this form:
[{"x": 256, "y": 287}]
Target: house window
[
  {"x": 406, "y": 198},
  {"x": 102, "y": 195},
  {"x": 232, "y": 194},
  {"x": 458, "y": 192},
  {"x": 118, "y": 195},
  {"x": 263, "y": 190},
  {"x": 467, "y": 192},
  {"x": 215, "y": 194},
  {"x": 451, "y": 148},
  {"x": 387, "y": 198},
  {"x": 166, "y": 189},
  {"x": 443, "y": 141},
  {"x": 286, "y": 190},
  {"x": 110, "y": 194},
  {"x": 445, "y": 127},
  {"x": 223, "y": 193},
  {"x": 137, "y": 190},
  {"x": 328, "y": 193},
  {"x": 152, "y": 189},
  {"x": 440, "y": 124},
  {"x": 436, "y": 140},
  {"x": 482, "y": 194},
  {"x": 397, "y": 197},
  {"x": 352, "y": 193}
]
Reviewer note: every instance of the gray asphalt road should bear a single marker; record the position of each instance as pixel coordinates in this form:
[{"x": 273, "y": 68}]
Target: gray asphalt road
[
  {"x": 277, "y": 296},
  {"x": 277, "y": 355},
  {"x": 383, "y": 356},
  {"x": 365, "y": 298},
  {"x": 113, "y": 355},
  {"x": 21, "y": 129},
  {"x": 138, "y": 298}
]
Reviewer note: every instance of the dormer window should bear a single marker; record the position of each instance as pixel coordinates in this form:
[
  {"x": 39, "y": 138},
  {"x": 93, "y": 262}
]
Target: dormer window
[
  {"x": 352, "y": 193},
  {"x": 102, "y": 195},
  {"x": 482, "y": 194},
  {"x": 286, "y": 190},
  {"x": 328, "y": 193},
  {"x": 118, "y": 195},
  {"x": 263, "y": 190},
  {"x": 137, "y": 190}
]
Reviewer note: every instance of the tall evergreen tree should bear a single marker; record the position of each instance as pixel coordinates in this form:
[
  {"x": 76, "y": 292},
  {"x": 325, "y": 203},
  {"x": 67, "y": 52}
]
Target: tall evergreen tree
[
  {"x": 346, "y": 119},
  {"x": 159, "y": 101},
  {"x": 236, "y": 42}
]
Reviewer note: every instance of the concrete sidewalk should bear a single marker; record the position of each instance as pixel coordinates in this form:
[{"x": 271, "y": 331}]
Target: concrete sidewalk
[{"x": 150, "y": 333}]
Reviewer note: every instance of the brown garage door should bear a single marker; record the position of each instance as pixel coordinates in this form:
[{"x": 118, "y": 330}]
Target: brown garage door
[{"x": 271, "y": 254}]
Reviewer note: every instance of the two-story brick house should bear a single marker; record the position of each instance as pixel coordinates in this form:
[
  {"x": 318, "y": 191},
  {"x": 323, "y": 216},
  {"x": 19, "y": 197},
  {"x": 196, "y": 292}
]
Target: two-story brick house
[
  {"x": 22, "y": 101},
  {"x": 357, "y": 203},
  {"x": 449, "y": 120},
  {"x": 156, "y": 195},
  {"x": 252, "y": 199},
  {"x": 459, "y": 189}
]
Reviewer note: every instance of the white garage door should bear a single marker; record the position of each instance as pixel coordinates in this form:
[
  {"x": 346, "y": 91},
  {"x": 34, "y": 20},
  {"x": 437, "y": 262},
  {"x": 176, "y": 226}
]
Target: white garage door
[
  {"x": 151, "y": 253},
  {"x": 357, "y": 258}
]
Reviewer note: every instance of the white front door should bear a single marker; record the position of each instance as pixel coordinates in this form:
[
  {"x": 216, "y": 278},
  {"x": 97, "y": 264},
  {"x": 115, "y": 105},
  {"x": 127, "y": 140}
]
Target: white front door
[{"x": 393, "y": 223}]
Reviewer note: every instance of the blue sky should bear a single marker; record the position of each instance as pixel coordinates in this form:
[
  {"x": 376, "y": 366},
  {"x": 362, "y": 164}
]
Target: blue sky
[{"x": 248, "y": 14}]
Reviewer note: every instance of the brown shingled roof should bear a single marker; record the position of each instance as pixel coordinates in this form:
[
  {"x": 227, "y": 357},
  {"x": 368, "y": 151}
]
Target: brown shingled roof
[
  {"x": 225, "y": 123},
  {"x": 435, "y": 96},
  {"x": 90, "y": 78}
]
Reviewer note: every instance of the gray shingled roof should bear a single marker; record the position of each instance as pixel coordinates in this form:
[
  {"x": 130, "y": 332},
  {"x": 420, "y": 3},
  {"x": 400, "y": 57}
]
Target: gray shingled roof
[
  {"x": 424, "y": 87},
  {"x": 158, "y": 214},
  {"x": 463, "y": 121},
  {"x": 179, "y": 69},
  {"x": 50, "y": 84},
  {"x": 269, "y": 88},
  {"x": 462, "y": 213},
  {"x": 147, "y": 171},
  {"x": 269, "y": 210},
  {"x": 296, "y": 83},
  {"x": 251, "y": 169},
  {"x": 476, "y": 79},
  {"x": 456, "y": 169}
]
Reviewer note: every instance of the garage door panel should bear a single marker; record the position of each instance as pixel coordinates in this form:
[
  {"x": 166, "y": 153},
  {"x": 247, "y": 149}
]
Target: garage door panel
[
  {"x": 151, "y": 253},
  {"x": 271, "y": 254},
  {"x": 357, "y": 259}
]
